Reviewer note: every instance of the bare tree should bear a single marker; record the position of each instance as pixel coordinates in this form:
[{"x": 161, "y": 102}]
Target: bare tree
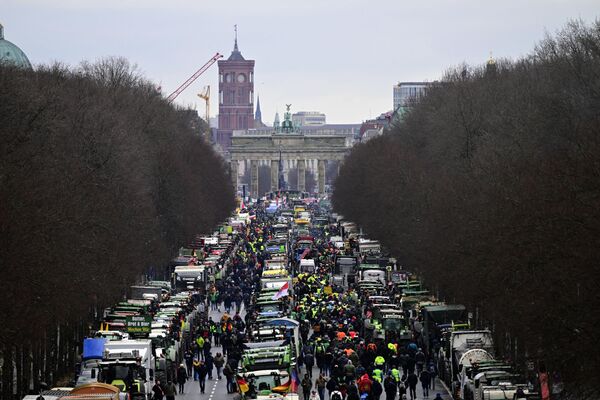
[
  {"x": 490, "y": 189},
  {"x": 99, "y": 178}
]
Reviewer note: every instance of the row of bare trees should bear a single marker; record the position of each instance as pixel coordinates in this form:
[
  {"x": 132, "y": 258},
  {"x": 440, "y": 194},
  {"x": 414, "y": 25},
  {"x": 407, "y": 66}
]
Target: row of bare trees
[
  {"x": 100, "y": 178},
  {"x": 490, "y": 188}
]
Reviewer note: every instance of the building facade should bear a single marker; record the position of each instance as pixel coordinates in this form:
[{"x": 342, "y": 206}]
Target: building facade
[
  {"x": 308, "y": 118},
  {"x": 284, "y": 149},
  {"x": 406, "y": 92},
  {"x": 350, "y": 132},
  {"x": 236, "y": 96},
  {"x": 375, "y": 127}
]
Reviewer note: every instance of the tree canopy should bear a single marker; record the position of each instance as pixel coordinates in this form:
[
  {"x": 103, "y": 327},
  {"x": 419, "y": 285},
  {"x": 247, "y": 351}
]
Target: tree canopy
[
  {"x": 490, "y": 188},
  {"x": 100, "y": 178}
]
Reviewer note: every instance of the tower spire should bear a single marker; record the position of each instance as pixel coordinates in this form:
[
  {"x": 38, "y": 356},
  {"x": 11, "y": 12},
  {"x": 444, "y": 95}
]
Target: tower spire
[
  {"x": 235, "y": 47},
  {"x": 235, "y": 54},
  {"x": 258, "y": 114}
]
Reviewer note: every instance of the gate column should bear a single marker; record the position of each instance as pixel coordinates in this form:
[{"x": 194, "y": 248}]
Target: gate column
[
  {"x": 301, "y": 175},
  {"x": 233, "y": 170},
  {"x": 274, "y": 175},
  {"x": 254, "y": 178},
  {"x": 321, "y": 169}
]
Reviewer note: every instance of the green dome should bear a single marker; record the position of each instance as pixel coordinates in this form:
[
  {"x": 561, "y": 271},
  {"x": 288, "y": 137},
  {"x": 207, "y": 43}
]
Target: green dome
[{"x": 11, "y": 54}]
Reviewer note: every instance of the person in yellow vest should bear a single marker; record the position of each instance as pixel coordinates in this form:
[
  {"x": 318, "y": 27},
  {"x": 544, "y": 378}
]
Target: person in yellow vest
[
  {"x": 396, "y": 375},
  {"x": 200, "y": 343},
  {"x": 196, "y": 365},
  {"x": 378, "y": 375},
  {"x": 379, "y": 362},
  {"x": 392, "y": 348}
]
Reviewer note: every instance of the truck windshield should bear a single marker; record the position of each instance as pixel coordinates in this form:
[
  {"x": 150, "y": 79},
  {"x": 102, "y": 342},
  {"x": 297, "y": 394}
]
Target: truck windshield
[{"x": 266, "y": 382}]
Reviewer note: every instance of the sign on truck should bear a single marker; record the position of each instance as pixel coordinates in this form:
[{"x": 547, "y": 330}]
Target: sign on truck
[{"x": 138, "y": 325}]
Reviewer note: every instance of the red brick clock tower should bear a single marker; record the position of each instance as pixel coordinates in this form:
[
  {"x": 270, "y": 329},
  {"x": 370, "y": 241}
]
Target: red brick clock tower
[{"x": 236, "y": 96}]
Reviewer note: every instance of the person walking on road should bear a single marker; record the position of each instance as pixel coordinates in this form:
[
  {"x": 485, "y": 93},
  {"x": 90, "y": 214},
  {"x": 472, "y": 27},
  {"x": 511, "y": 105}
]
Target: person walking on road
[
  {"x": 202, "y": 372},
  {"x": 349, "y": 372},
  {"x": 432, "y": 373},
  {"x": 182, "y": 377},
  {"x": 332, "y": 386},
  {"x": 425, "y": 379},
  {"x": 364, "y": 384},
  {"x": 196, "y": 364},
  {"x": 309, "y": 362},
  {"x": 320, "y": 384},
  {"x": 352, "y": 392},
  {"x": 411, "y": 381},
  {"x": 306, "y": 385},
  {"x": 157, "y": 391},
  {"x": 327, "y": 361},
  {"x": 189, "y": 359},
  {"x": 228, "y": 372},
  {"x": 391, "y": 387},
  {"x": 401, "y": 390},
  {"x": 213, "y": 300},
  {"x": 200, "y": 342},
  {"x": 376, "y": 390},
  {"x": 225, "y": 343},
  {"x": 420, "y": 360},
  {"x": 170, "y": 390},
  {"x": 209, "y": 361},
  {"x": 219, "y": 361}
]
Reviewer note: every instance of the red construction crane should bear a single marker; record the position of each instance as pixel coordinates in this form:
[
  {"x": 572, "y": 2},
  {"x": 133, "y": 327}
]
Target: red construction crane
[{"x": 192, "y": 78}]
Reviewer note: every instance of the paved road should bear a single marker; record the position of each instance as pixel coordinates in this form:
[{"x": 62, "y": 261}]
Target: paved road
[{"x": 215, "y": 389}]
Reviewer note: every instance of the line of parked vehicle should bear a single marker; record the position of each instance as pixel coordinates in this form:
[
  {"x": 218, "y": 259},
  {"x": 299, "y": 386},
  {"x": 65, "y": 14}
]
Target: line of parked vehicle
[
  {"x": 399, "y": 308},
  {"x": 141, "y": 340}
]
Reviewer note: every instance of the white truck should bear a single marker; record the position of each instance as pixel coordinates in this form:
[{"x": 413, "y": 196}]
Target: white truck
[
  {"x": 129, "y": 365},
  {"x": 189, "y": 276},
  {"x": 500, "y": 391},
  {"x": 366, "y": 246},
  {"x": 146, "y": 292},
  {"x": 459, "y": 343},
  {"x": 468, "y": 364}
]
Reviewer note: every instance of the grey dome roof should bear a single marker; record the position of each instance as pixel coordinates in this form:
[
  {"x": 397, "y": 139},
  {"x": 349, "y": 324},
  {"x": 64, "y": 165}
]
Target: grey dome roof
[{"x": 12, "y": 54}]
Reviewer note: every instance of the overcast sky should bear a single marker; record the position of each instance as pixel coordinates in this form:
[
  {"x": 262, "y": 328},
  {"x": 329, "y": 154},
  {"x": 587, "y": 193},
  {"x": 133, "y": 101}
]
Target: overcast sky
[{"x": 338, "y": 57}]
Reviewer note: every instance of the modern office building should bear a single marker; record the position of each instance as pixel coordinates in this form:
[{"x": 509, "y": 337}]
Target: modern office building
[
  {"x": 407, "y": 92},
  {"x": 308, "y": 118}
]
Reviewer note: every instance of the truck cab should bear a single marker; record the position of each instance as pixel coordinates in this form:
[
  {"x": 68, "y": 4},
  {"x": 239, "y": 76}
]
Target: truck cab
[
  {"x": 371, "y": 273},
  {"x": 129, "y": 365},
  {"x": 267, "y": 385}
]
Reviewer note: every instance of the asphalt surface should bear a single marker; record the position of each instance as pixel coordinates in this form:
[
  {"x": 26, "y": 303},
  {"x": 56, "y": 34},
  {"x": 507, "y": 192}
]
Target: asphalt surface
[{"x": 215, "y": 389}]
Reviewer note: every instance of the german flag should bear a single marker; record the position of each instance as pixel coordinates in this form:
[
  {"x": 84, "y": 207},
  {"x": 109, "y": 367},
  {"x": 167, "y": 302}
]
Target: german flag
[
  {"x": 285, "y": 388},
  {"x": 243, "y": 385}
]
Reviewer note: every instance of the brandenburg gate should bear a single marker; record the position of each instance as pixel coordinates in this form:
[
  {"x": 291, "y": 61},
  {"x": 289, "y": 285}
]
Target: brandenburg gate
[{"x": 288, "y": 147}]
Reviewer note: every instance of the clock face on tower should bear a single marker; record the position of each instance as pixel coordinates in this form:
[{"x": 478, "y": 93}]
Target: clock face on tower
[
  {"x": 241, "y": 78},
  {"x": 228, "y": 78}
]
